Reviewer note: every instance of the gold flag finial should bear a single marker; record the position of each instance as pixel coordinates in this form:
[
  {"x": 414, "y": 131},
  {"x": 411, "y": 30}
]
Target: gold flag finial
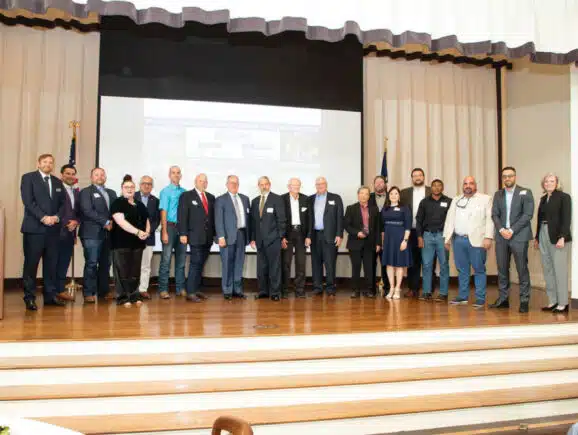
[
  {"x": 74, "y": 125},
  {"x": 385, "y": 139}
]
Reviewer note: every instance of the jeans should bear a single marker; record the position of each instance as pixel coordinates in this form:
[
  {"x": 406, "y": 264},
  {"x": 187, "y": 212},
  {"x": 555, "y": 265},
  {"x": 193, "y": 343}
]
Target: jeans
[
  {"x": 466, "y": 257},
  {"x": 180, "y": 257},
  {"x": 433, "y": 246},
  {"x": 96, "y": 266},
  {"x": 198, "y": 258}
]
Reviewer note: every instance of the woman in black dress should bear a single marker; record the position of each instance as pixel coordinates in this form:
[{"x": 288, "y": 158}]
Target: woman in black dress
[
  {"x": 396, "y": 220},
  {"x": 128, "y": 236}
]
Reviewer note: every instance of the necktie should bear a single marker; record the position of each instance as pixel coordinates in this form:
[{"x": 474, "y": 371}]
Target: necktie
[
  {"x": 261, "y": 205},
  {"x": 205, "y": 203},
  {"x": 105, "y": 194},
  {"x": 48, "y": 185},
  {"x": 237, "y": 212}
]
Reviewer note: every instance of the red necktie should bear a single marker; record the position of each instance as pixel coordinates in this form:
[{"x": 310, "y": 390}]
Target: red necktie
[{"x": 205, "y": 203}]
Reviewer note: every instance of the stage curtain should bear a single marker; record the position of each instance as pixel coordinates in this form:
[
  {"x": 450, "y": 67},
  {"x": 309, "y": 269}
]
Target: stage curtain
[{"x": 47, "y": 78}]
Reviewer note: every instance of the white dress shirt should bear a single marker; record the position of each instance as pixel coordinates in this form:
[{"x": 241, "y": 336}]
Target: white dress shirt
[
  {"x": 237, "y": 200},
  {"x": 295, "y": 216},
  {"x": 418, "y": 196},
  {"x": 43, "y": 175},
  {"x": 70, "y": 192}
]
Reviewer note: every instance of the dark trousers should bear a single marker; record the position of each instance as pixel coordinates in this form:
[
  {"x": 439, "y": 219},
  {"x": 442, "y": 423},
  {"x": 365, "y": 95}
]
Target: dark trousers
[
  {"x": 414, "y": 272},
  {"x": 65, "y": 249},
  {"x": 323, "y": 253},
  {"x": 232, "y": 260},
  {"x": 366, "y": 257},
  {"x": 198, "y": 258},
  {"x": 295, "y": 241},
  {"x": 126, "y": 263},
  {"x": 96, "y": 266},
  {"x": 504, "y": 251},
  {"x": 269, "y": 269},
  {"x": 37, "y": 246}
]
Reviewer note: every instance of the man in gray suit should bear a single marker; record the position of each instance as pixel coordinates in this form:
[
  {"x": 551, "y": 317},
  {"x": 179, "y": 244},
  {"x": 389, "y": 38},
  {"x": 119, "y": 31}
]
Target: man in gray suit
[
  {"x": 512, "y": 212},
  {"x": 232, "y": 228}
]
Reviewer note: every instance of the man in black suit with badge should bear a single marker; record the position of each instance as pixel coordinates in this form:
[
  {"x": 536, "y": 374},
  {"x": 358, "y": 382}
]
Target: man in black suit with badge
[
  {"x": 43, "y": 197},
  {"x": 325, "y": 235},
  {"x": 297, "y": 213},
  {"x": 267, "y": 230},
  {"x": 196, "y": 225}
]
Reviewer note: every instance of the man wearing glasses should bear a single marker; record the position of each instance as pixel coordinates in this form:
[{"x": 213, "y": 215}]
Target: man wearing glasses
[
  {"x": 469, "y": 229},
  {"x": 512, "y": 213}
]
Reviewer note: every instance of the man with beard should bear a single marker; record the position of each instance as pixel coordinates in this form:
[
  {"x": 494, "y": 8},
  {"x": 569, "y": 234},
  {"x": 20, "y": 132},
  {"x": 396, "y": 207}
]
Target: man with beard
[
  {"x": 412, "y": 197},
  {"x": 378, "y": 198},
  {"x": 512, "y": 212}
]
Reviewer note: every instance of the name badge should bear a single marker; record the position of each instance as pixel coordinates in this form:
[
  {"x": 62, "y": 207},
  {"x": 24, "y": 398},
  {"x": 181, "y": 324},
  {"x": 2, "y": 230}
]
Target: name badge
[
  {"x": 58, "y": 189},
  {"x": 195, "y": 203},
  {"x": 303, "y": 208},
  {"x": 444, "y": 204},
  {"x": 331, "y": 202},
  {"x": 270, "y": 210},
  {"x": 523, "y": 192},
  {"x": 396, "y": 209},
  {"x": 97, "y": 195}
]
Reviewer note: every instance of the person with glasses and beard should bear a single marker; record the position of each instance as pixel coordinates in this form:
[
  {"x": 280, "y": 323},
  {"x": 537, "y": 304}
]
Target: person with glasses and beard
[{"x": 378, "y": 198}]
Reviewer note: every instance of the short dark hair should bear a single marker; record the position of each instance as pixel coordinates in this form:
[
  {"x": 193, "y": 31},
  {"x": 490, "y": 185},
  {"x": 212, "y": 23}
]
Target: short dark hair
[
  {"x": 68, "y": 166},
  {"x": 417, "y": 170},
  {"x": 509, "y": 168},
  {"x": 437, "y": 180},
  {"x": 379, "y": 177}
]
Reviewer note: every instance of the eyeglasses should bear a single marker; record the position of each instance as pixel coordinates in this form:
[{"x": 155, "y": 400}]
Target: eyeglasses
[
  {"x": 463, "y": 202},
  {"x": 146, "y": 183},
  {"x": 506, "y": 176}
]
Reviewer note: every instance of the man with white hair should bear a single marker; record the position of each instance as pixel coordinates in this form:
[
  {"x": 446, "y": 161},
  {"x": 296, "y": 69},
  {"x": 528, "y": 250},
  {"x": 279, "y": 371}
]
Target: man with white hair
[{"x": 325, "y": 235}]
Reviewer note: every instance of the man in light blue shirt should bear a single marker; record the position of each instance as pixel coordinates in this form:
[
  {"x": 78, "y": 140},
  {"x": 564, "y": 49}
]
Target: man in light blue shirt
[
  {"x": 169, "y": 204},
  {"x": 320, "y": 201}
]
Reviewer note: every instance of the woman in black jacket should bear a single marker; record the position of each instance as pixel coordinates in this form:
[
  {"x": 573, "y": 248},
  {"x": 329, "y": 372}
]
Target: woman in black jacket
[{"x": 553, "y": 239}]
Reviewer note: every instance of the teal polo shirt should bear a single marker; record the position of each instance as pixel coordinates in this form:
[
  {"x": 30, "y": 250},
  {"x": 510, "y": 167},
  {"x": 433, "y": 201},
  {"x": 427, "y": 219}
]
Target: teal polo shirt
[{"x": 169, "y": 199}]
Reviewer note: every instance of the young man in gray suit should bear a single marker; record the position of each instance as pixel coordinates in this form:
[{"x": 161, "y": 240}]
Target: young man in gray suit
[{"x": 512, "y": 212}]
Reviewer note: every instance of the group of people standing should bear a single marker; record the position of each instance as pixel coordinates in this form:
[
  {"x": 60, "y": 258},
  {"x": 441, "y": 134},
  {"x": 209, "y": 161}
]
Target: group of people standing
[{"x": 409, "y": 229}]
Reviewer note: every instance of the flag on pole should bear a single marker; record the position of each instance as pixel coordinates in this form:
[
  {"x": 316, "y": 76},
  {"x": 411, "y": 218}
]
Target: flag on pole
[
  {"x": 72, "y": 157},
  {"x": 384, "y": 160}
]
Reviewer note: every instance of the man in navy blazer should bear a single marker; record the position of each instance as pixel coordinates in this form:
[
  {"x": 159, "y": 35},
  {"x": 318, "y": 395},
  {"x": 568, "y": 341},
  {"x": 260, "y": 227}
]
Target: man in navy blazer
[
  {"x": 196, "y": 224},
  {"x": 43, "y": 197},
  {"x": 232, "y": 230},
  {"x": 95, "y": 226},
  {"x": 151, "y": 202},
  {"x": 69, "y": 224}
]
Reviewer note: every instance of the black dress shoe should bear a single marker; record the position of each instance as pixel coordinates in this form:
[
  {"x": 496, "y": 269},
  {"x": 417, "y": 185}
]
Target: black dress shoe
[
  {"x": 31, "y": 306},
  {"x": 54, "y": 303},
  {"x": 239, "y": 296},
  {"x": 524, "y": 307},
  {"x": 549, "y": 308},
  {"x": 300, "y": 295},
  {"x": 355, "y": 295},
  {"x": 261, "y": 296},
  {"x": 561, "y": 310},
  {"x": 275, "y": 298},
  {"x": 317, "y": 292},
  {"x": 369, "y": 295},
  {"x": 501, "y": 304},
  {"x": 228, "y": 297}
]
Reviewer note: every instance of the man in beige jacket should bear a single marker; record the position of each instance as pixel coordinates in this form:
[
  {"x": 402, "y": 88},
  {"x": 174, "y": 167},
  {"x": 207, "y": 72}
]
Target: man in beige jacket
[{"x": 469, "y": 229}]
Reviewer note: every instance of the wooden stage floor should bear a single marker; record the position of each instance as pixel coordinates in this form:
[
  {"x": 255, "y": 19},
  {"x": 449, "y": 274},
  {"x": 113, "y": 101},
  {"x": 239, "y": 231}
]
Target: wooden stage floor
[{"x": 219, "y": 318}]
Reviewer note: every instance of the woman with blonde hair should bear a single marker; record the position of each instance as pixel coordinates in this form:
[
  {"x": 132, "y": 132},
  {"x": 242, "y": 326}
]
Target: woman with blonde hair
[{"x": 553, "y": 238}]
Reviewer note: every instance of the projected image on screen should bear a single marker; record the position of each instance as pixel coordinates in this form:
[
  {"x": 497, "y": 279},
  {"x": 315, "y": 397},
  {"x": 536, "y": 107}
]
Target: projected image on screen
[{"x": 146, "y": 136}]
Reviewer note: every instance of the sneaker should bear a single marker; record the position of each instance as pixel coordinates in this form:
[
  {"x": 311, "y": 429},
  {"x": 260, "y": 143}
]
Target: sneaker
[
  {"x": 458, "y": 301},
  {"x": 426, "y": 297},
  {"x": 479, "y": 304},
  {"x": 441, "y": 298}
]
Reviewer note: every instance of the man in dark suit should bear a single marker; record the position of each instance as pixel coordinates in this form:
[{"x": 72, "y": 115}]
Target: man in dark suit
[
  {"x": 512, "y": 212},
  {"x": 363, "y": 225},
  {"x": 297, "y": 214},
  {"x": 95, "y": 226},
  {"x": 378, "y": 198},
  {"x": 69, "y": 224},
  {"x": 152, "y": 203},
  {"x": 326, "y": 232},
  {"x": 411, "y": 197},
  {"x": 43, "y": 198},
  {"x": 232, "y": 229},
  {"x": 196, "y": 224},
  {"x": 268, "y": 225}
]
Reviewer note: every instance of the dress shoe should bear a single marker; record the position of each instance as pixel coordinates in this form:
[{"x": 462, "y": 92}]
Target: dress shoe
[
  {"x": 369, "y": 295},
  {"x": 549, "y": 307},
  {"x": 194, "y": 298},
  {"x": 441, "y": 298},
  {"x": 505, "y": 304},
  {"x": 355, "y": 294},
  {"x": 317, "y": 292},
  {"x": 201, "y": 296},
  {"x": 89, "y": 299},
  {"x": 560, "y": 310},
  {"x": 426, "y": 297},
  {"x": 261, "y": 296},
  {"x": 275, "y": 298},
  {"x": 54, "y": 303},
  {"x": 145, "y": 295},
  {"x": 31, "y": 306},
  {"x": 110, "y": 296},
  {"x": 65, "y": 296},
  {"x": 228, "y": 297},
  {"x": 239, "y": 296},
  {"x": 300, "y": 294},
  {"x": 524, "y": 307}
]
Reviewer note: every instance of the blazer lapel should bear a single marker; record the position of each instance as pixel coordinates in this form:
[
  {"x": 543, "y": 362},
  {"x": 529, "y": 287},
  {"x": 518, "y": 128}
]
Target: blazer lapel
[{"x": 326, "y": 209}]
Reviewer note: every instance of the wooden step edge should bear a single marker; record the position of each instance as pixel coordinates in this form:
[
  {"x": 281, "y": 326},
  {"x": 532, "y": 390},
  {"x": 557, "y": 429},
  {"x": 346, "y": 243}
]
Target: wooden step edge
[
  {"x": 67, "y": 361},
  {"x": 551, "y": 426},
  {"x": 143, "y": 422},
  {"x": 187, "y": 386}
]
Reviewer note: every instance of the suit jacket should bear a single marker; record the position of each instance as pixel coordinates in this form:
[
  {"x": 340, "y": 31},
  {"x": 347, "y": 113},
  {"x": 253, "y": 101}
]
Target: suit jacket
[
  {"x": 94, "y": 213},
  {"x": 558, "y": 213},
  {"x": 353, "y": 223},
  {"x": 70, "y": 213},
  {"x": 38, "y": 202},
  {"x": 226, "y": 218},
  {"x": 332, "y": 216},
  {"x": 373, "y": 201},
  {"x": 271, "y": 226},
  {"x": 521, "y": 213},
  {"x": 304, "y": 211},
  {"x": 193, "y": 221},
  {"x": 154, "y": 215},
  {"x": 481, "y": 224},
  {"x": 406, "y": 197}
]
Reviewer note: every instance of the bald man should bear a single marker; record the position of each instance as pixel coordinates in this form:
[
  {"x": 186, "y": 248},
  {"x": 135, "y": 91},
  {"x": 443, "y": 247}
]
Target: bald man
[
  {"x": 325, "y": 235},
  {"x": 469, "y": 231},
  {"x": 196, "y": 225}
]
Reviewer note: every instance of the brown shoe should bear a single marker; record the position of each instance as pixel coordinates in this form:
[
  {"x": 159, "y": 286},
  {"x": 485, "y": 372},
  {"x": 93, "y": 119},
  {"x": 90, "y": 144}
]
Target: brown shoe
[
  {"x": 194, "y": 298},
  {"x": 110, "y": 296},
  {"x": 201, "y": 295},
  {"x": 89, "y": 299},
  {"x": 65, "y": 296},
  {"x": 145, "y": 295},
  {"x": 164, "y": 295},
  {"x": 182, "y": 293}
]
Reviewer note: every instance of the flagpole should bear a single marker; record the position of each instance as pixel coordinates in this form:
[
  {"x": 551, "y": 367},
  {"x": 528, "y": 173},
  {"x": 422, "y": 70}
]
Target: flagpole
[{"x": 73, "y": 286}]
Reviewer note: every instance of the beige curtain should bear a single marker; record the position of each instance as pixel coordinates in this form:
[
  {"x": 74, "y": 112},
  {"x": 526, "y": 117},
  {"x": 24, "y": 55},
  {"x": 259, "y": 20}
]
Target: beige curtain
[{"x": 47, "y": 78}]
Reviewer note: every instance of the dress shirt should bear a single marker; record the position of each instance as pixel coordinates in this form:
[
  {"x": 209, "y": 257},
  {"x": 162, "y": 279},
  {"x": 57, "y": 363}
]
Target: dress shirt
[
  {"x": 144, "y": 199},
  {"x": 380, "y": 200},
  {"x": 432, "y": 214},
  {"x": 509, "y": 195},
  {"x": 104, "y": 193},
  {"x": 319, "y": 210},
  {"x": 43, "y": 175},
  {"x": 418, "y": 196},
  {"x": 295, "y": 216},
  {"x": 365, "y": 217},
  {"x": 238, "y": 204},
  {"x": 169, "y": 201},
  {"x": 70, "y": 192}
]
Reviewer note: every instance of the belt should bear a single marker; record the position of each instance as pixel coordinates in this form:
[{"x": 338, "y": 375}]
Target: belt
[
  {"x": 465, "y": 236},
  {"x": 396, "y": 223},
  {"x": 295, "y": 227},
  {"x": 172, "y": 224}
]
